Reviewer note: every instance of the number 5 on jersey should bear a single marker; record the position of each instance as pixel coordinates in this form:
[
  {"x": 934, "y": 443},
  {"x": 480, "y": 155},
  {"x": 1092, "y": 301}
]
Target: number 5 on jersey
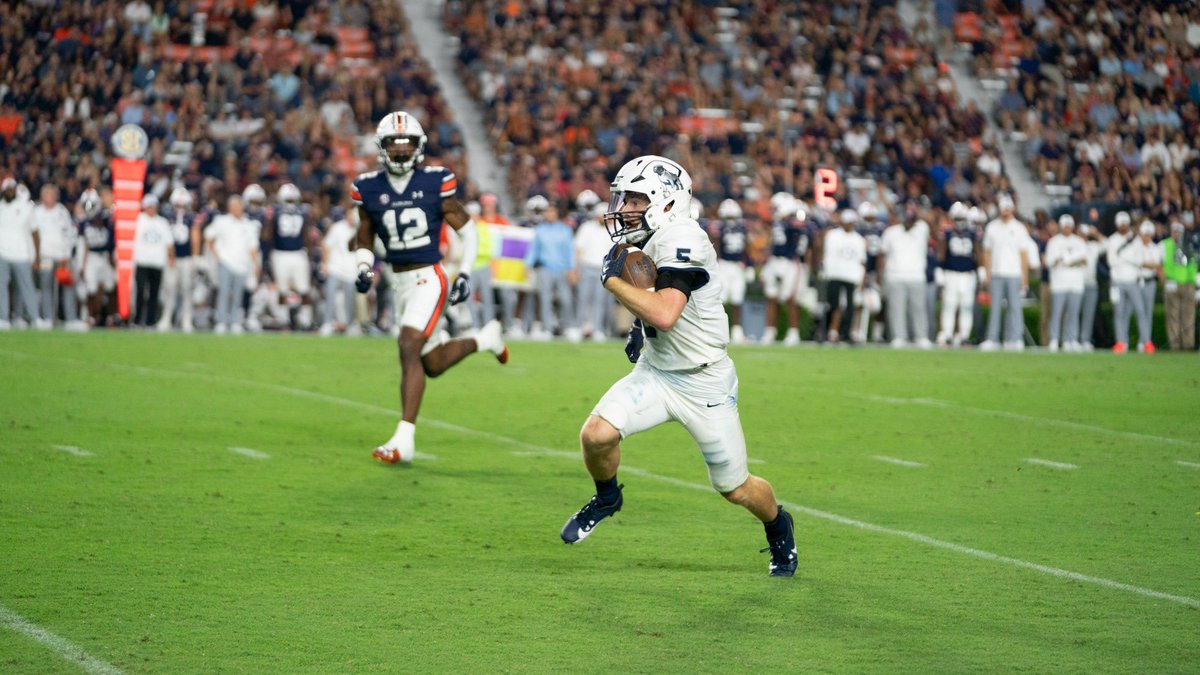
[{"x": 412, "y": 231}]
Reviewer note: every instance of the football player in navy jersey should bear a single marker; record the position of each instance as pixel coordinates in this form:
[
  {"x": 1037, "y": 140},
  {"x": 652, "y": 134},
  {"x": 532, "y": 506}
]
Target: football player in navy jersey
[
  {"x": 405, "y": 204},
  {"x": 178, "y": 280},
  {"x": 958, "y": 256},
  {"x": 99, "y": 273},
  {"x": 872, "y": 232},
  {"x": 785, "y": 275},
  {"x": 285, "y": 232},
  {"x": 730, "y": 241}
]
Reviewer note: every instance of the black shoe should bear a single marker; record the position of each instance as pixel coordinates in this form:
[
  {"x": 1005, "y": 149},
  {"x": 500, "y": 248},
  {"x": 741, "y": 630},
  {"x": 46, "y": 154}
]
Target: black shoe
[
  {"x": 580, "y": 525},
  {"x": 783, "y": 551}
]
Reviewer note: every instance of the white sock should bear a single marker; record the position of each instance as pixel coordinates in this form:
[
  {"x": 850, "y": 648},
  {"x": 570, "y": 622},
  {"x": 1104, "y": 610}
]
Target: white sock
[{"x": 405, "y": 433}]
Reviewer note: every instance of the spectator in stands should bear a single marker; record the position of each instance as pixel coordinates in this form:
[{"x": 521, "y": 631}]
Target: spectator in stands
[
  {"x": 902, "y": 264},
  {"x": 153, "y": 252},
  {"x": 1178, "y": 276},
  {"x": 1066, "y": 258},
  {"x": 552, "y": 255},
  {"x": 57, "y": 236},
  {"x": 233, "y": 242},
  {"x": 1006, "y": 265},
  {"x": 18, "y": 251}
]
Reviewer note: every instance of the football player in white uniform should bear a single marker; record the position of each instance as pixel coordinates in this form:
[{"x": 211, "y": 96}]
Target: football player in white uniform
[{"x": 682, "y": 370}]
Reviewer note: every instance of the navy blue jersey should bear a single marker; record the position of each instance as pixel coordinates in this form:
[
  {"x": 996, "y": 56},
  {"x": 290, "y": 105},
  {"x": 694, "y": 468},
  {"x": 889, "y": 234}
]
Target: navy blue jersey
[
  {"x": 287, "y": 226},
  {"x": 874, "y": 240},
  {"x": 790, "y": 239},
  {"x": 97, "y": 232},
  {"x": 409, "y": 221},
  {"x": 182, "y": 221},
  {"x": 961, "y": 254},
  {"x": 731, "y": 240}
]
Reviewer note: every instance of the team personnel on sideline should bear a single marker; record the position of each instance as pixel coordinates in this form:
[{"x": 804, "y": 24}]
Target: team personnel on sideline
[
  {"x": 1066, "y": 258},
  {"x": 405, "y": 204},
  {"x": 903, "y": 256},
  {"x": 682, "y": 370},
  {"x": 99, "y": 239},
  {"x": 844, "y": 269},
  {"x": 1094, "y": 245},
  {"x": 1006, "y": 265},
  {"x": 286, "y": 231},
  {"x": 1179, "y": 289},
  {"x": 153, "y": 251},
  {"x": 1124, "y": 274},
  {"x": 731, "y": 248},
  {"x": 591, "y": 243},
  {"x": 1143, "y": 258},
  {"x": 958, "y": 256},
  {"x": 57, "y": 236},
  {"x": 233, "y": 244},
  {"x": 785, "y": 274},
  {"x": 179, "y": 278},
  {"x": 18, "y": 253}
]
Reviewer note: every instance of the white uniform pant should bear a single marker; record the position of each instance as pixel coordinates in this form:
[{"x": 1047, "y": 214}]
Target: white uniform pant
[
  {"x": 98, "y": 274},
  {"x": 178, "y": 282},
  {"x": 958, "y": 298},
  {"x": 703, "y": 400},
  {"x": 420, "y": 297},
  {"x": 780, "y": 279},
  {"x": 732, "y": 276},
  {"x": 291, "y": 271}
]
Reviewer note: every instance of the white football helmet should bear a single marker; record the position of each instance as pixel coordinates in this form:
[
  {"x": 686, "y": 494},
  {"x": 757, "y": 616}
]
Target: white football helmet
[
  {"x": 585, "y": 200},
  {"x": 783, "y": 205},
  {"x": 663, "y": 182},
  {"x": 401, "y": 141},
  {"x": 1066, "y": 220},
  {"x": 960, "y": 215},
  {"x": 89, "y": 201},
  {"x": 729, "y": 210},
  {"x": 849, "y": 216},
  {"x": 867, "y": 211},
  {"x": 535, "y": 206},
  {"x": 288, "y": 193},
  {"x": 180, "y": 197},
  {"x": 254, "y": 194}
]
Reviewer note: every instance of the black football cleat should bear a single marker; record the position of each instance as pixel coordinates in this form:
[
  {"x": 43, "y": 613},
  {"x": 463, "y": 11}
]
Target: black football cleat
[
  {"x": 783, "y": 551},
  {"x": 580, "y": 525}
]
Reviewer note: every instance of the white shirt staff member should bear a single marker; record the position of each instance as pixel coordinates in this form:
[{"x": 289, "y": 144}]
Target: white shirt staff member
[
  {"x": 902, "y": 262},
  {"x": 233, "y": 240},
  {"x": 56, "y": 242},
  {"x": 843, "y": 267},
  {"x": 18, "y": 251},
  {"x": 1145, "y": 257},
  {"x": 153, "y": 251},
  {"x": 1067, "y": 259},
  {"x": 1006, "y": 262}
]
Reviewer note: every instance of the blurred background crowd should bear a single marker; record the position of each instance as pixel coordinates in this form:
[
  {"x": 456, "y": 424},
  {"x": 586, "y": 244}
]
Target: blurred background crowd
[{"x": 1095, "y": 107}]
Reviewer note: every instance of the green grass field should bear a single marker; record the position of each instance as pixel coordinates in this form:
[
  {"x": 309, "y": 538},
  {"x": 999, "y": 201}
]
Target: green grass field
[{"x": 164, "y": 551}]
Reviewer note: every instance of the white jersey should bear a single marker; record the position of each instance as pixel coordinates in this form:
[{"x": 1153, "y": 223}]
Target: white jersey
[{"x": 702, "y": 331}]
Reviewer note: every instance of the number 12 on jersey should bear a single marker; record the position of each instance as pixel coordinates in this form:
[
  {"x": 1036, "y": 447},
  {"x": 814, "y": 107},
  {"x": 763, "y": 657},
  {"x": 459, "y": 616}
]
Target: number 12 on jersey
[{"x": 413, "y": 230}]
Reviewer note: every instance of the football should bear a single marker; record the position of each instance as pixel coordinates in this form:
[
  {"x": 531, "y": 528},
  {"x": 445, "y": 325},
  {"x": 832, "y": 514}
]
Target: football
[{"x": 639, "y": 269}]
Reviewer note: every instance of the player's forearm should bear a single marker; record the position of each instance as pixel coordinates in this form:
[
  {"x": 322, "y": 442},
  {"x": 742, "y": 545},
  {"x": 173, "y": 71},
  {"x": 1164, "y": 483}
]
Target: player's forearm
[{"x": 652, "y": 307}]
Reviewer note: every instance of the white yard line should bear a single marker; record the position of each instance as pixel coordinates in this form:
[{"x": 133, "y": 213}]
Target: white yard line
[
  {"x": 73, "y": 449},
  {"x": 532, "y": 449},
  {"x": 1065, "y": 424},
  {"x": 1052, "y": 465},
  {"x": 252, "y": 454},
  {"x": 1190, "y": 465},
  {"x": 899, "y": 462},
  {"x": 64, "y": 648}
]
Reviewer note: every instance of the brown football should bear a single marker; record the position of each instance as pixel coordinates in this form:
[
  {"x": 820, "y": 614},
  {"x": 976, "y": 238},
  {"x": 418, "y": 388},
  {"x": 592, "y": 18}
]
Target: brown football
[{"x": 639, "y": 269}]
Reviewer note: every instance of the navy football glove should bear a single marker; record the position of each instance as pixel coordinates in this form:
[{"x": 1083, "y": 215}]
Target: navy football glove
[
  {"x": 633, "y": 344},
  {"x": 365, "y": 276},
  {"x": 461, "y": 290},
  {"x": 614, "y": 262}
]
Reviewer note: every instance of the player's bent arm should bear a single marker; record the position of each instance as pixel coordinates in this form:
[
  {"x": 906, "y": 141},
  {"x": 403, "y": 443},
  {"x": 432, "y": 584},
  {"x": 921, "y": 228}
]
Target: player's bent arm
[{"x": 659, "y": 309}]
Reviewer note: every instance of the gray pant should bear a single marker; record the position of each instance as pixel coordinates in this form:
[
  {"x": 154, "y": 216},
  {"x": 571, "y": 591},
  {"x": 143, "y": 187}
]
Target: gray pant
[
  {"x": 26, "y": 293},
  {"x": 1064, "y": 317},
  {"x": 906, "y": 306},
  {"x": 594, "y": 301},
  {"x": 52, "y": 292},
  {"x": 230, "y": 286},
  {"x": 1006, "y": 289},
  {"x": 1133, "y": 300},
  {"x": 484, "y": 309},
  {"x": 554, "y": 286},
  {"x": 1087, "y": 316},
  {"x": 931, "y": 295},
  {"x": 339, "y": 300}
]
